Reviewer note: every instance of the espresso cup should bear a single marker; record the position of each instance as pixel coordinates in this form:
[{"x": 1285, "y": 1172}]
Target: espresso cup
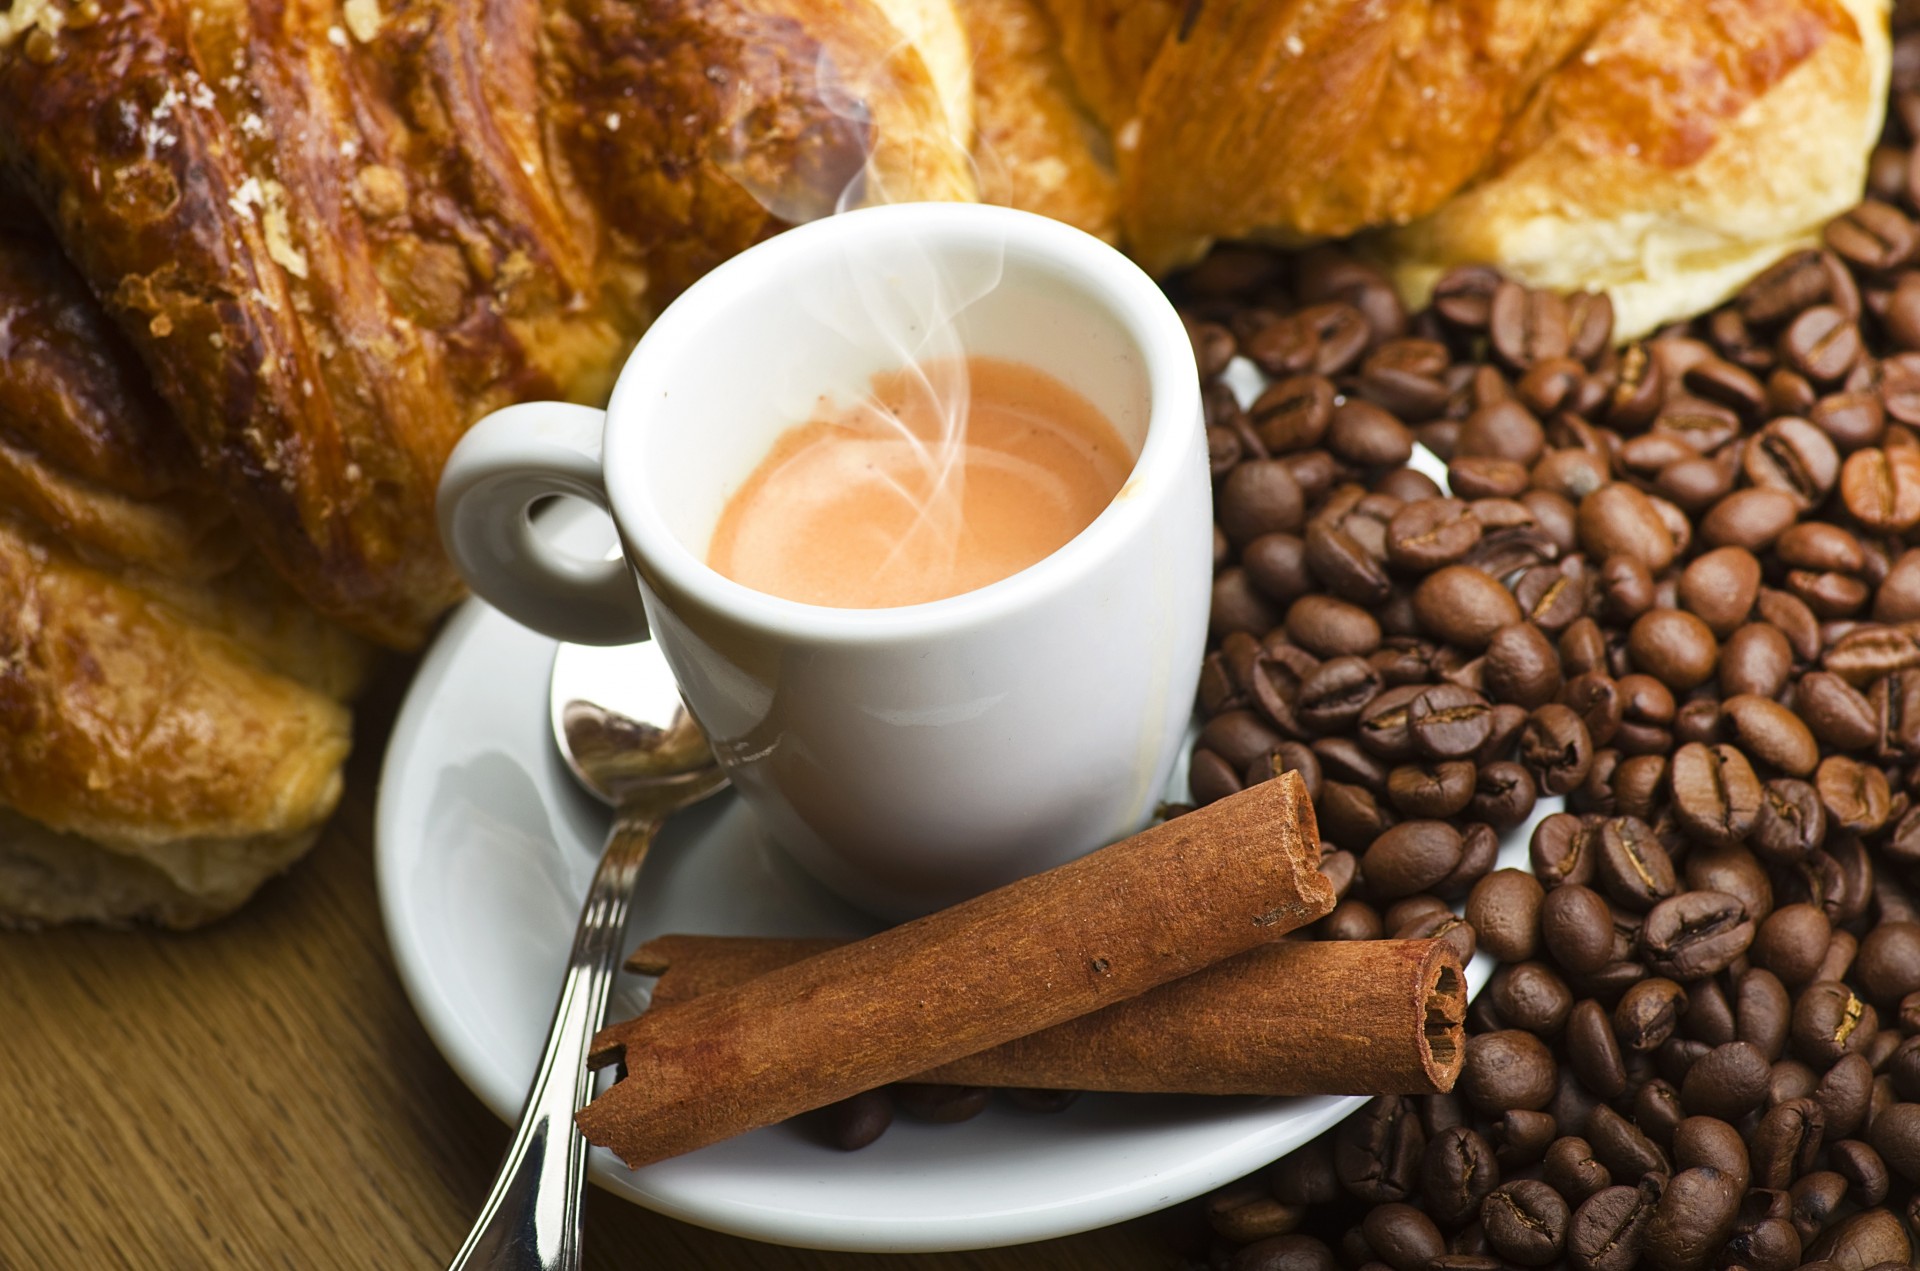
[{"x": 908, "y": 757}]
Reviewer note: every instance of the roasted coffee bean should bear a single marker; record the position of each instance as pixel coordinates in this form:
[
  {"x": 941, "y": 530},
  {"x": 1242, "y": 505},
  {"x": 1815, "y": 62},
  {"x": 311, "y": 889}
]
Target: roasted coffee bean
[
  {"x": 1332, "y": 695},
  {"x": 1402, "y": 1236},
  {"x": 853, "y": 1123},
  {"x": 1377, "y": 1150},
  {"x": 1504, "y": 909},
  {"x": 1457, "y": 1174},
  {"x": 1555, "y": 744},
  {"x": 1294, "y": 413},
  {"x": 1246, "y": 1211},
  {"x": 1576, "y": 927},
  {"x": 1829, "y": 1021},
  {"x": 1770, "y": 733},
  {"x": 1785, "y": 1142},
  {"x": 1306, "y": 1176},
  {"x": 1634, "y": 868},
  {"x": 1530, "y": 996},
  {"x": 1792, "y": 943},
  {"x": 1520, "y": 1138},
  {"x": 1855, "y": 795},
  {"x": 1720, "y": 587},
  {"x": 1755, "y": 659},
  {"x": 1431, "y": 789},
  {"x": 1427, "y": 534},
  {"x": 1622, "y": 1147},
  {"x": 1647, "y": 1013},
  {"x": 1794, "y": 457},
  {"x": 1463, "y": 606},
  {"x": 1844, "y": 1094},
  {"x": 1448, "y": 928},
  {"x": 1716, "y": 796},
  {"x": 1507, "y": 1070},
  {"x": 940, "y": 1104},
  {"x": 1692, "y": 1221},
  {"x": 1709, "y": 1014},
  {"x": 1365, "y": 435},
  {"x": 1411, "y": 857},
  {"x": 1618, "y": 519},
  {"x": 1868, "y": 1179},
  {"x": 1292, "y": 1252},
  {"x": 1816, "y": 1199},
  {"x": 1821, "y": 344},
  {"x": 1895, "y": 1134},
  {"x": 1328, "y": 627},
  {"x": 1695, "y": 934},
  {"x": 1449, "y": 722},
  {"x": 1673, "y": 646},
  {"x": 1751, "y": 518},
  {"x": 1522, "y": 665},
  {"x": 1710, "y": 1141},
  {"x": 1352, "y": 920},
  {"x": 1608, "y": 1231},
  {"x": 1733, "y": 870},
  {"x": 1260, "y": 496},
  {"x": 1764, "y": 1011},
  {"x": 1563, "y": 850},
  {"x": 1526, "y": 1222},
  {"x": 1527, "y": 326},
  {"x": 1791, "y": 822},
  {"x": 1888, "y": 964},
  {"x": 1881, "y": 488},
  {"x": 1728, "y": 1082},
  {"x": 1594, "y": 1052},
  {"x": 1875, "y": 1239}
]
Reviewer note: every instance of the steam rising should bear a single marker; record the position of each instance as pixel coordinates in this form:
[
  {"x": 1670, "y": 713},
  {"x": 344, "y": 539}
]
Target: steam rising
[{"x": 901, "y": 300}]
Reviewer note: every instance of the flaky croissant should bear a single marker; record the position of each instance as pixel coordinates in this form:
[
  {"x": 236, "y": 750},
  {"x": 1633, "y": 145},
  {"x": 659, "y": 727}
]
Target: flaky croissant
[
  {"x": 337, "y": 234},
  {"x": 1663, "y": 150}
]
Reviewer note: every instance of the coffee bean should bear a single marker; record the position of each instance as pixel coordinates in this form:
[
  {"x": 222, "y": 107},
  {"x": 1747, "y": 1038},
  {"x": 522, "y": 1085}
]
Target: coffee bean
[
  {"x": 1881, "y": 488},
  {"x": 1693, "y": 1219},
  {"x": 1530, "y": 996},
  {"x": 1411, "y": 857},
  {"x": 1404, "y": 1237},
  {"x": 1520, "y": 1138},
  {"x": 1522, "y": 665},
  {"x": 1816, "y": 1199},
  {"x": 1507, "y": 1070},
  {"x": 1855, "y": 795},
  {"x": 1868, "y": 1179},
  {"x": 1504, "y": 909},
  {"x": 1463, "y": 606},
  {"x": 1427, "y": 534},
  {"x": 1794, "y": 457},
  {"x": 853, "y": 1123},
  {"x": 1457, "y": 1173},
  {"x": 1620, "y": 519},
  {"x": 1709, "y": 1141},
  {"x": 1695, "y": 934},
  {"x": 1791, "y": 822},
  {"x": 1276, "y": 565},
  {"x": 1844, "y": 1094},
  {"x": 1365, "y": 435},
  {"x": 1829, "y": 1021},
  {"x": 1622, "y": 1147},
  {"x": 1527, "y": 326},
  {"x": 1873, "y": 237},
  {"x": 1772, "y": 734},
  {"x": 1377, "y": 1150},
  {"x": 1821, "y": 344},
  {"x": 1888, "y": 964},
  {"x": 1576, "y": 926},
  {"x": 1728, "y": 1082},
  {"x": 1634, "y": 868},
  {"x": 1764, "y": 1011},
  {"x": 1448, "y": 722},
  {"x": 1555, "y": 744},
  {"x": 1733, "y": 870},
  {"x": 1875, "y": 1239},
  {"x": 1306, "y": 1176},
  {"x": 1647, "y": 1013},
  {"x": 1294, "y": 413},
  {"x": 1755, "y": 659},
  {"x": 1246, "y": 1211},
  {"x": 1673, "y": 646},
  {"x": 1786, "y": 1141},
  {"x": 1526, "y": 1222},
  {"x": 1716, "y": 796},
  {"x": 1792, "y": 941},
  {"x": 1749, "y": 519},
  {"x": 1608, "y": 1231},
  {"x": 940, "y": 1104},
  {"x": 1291, "y": 1252},
  {"x": 1594, "y": 1052},
  {"x": 1330, "y": 628},
  {"x": 1343, "y": 565}
]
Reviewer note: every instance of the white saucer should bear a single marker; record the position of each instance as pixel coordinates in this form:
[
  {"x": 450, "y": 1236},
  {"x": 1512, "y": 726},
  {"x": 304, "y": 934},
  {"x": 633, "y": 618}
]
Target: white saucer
[{"x": 484, "y": 850}]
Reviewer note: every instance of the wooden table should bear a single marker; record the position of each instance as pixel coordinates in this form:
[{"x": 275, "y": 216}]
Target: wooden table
[{"x": 259, "y": 1094}]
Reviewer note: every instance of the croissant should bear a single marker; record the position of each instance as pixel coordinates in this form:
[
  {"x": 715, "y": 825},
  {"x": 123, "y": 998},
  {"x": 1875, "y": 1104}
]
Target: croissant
[{"x": 1662, "y": 150}]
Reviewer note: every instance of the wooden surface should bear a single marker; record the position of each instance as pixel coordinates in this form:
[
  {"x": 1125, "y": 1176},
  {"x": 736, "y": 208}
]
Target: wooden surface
[{"x": 259, "y": 1094}]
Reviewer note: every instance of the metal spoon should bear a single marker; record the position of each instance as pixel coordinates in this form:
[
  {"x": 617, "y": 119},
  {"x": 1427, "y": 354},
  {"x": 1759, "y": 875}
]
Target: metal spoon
[{"x": 623, "y": 730}]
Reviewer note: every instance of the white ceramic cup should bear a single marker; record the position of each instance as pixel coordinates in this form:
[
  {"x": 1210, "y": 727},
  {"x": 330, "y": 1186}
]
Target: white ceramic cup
[{"x": 908, "y": 757}]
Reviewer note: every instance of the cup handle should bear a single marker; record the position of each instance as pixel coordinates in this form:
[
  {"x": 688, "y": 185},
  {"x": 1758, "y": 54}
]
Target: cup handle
[{"x": 504, "y": 464}]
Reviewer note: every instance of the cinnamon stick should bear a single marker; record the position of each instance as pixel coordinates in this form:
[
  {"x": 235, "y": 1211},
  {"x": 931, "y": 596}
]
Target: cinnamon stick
[
  {"x": 1163, "y": 904},
  {"x": 1291, "y": 1018}
]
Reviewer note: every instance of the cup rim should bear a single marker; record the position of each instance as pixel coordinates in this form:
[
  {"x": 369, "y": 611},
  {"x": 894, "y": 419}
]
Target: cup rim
[{"x": 1133, "y": 299}]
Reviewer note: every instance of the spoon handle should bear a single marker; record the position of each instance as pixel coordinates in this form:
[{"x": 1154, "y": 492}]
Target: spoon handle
[{"x": 531, "y": 1221}]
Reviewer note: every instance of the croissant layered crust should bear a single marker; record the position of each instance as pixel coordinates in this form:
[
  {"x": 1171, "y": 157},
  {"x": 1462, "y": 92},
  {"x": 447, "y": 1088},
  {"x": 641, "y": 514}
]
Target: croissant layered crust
[{"x": 336, "y": 235}]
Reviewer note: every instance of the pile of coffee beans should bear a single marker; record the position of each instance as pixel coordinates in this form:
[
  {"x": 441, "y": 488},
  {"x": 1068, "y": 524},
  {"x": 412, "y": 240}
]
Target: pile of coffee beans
[{"x": 1673, "y": 583}]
